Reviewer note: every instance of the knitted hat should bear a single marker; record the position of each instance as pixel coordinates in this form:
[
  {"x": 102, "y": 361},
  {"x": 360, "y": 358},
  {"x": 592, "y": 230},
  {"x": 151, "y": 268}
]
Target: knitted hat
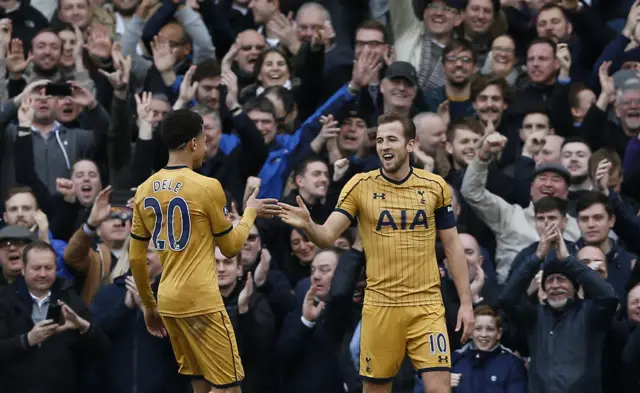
[{"x": 557, "y": 267}]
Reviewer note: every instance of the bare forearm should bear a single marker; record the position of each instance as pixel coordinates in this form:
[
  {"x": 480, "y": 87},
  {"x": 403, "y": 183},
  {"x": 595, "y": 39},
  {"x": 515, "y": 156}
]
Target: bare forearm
[
  {"x": 138, "y": 261},
  {"x": 320, "y": 235}
]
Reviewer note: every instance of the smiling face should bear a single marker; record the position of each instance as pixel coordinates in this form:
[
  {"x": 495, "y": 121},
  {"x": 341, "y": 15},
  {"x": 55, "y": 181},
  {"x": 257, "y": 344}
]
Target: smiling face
[
  {"x": 75, "y": 12},
  {"x": 478, "y": 16},
  {"x": 314, "y": 181},
  {"x": 559, "y": 290},
  {"x": 459, "y": 67},
  {"x": 266, "y": 124},
  {"x": 463, "y": 147},
  {"x": 392, "y": 147},
  {"x": 322, "y": 269},
  {"x": 549, "y": 184},
  {"x": 486, "y": 333},
  {"x": 628, "y": 109},
  {"x": 46, "y": 49},
  {"x": 274, "y": 70},
  {"x": 351, "y": 134},
  {"x": 503, "y": 55},
  {"x": 397, "y": 93},
  {"x": 302, "y": 248},
  {"x": 490, "y": 104},
  {"x": 86, "y": 181},
  {"x": 440, "y": 19},
  {"x": 309, "y": 21}
]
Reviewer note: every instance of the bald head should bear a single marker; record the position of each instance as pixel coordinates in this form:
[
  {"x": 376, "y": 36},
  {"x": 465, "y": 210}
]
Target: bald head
[
  {"x": 431, "y": 132},
  {"x": 250, "y": 43},
  {"x": 472, "y": 254},
  {"x": 309, "y": 19}
]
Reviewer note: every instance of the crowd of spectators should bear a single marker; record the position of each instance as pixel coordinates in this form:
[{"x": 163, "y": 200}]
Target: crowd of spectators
[{"x": 529, "y": 109}]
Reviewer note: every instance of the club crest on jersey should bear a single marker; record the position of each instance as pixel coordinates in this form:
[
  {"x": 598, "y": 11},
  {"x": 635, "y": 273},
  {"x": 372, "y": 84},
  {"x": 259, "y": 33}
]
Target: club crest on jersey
[
  {"x": 227, "y": 216},
  {"x": 421, "y": 193}
]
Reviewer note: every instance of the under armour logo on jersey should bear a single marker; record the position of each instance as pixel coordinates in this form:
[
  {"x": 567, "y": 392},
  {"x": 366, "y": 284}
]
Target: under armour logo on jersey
[
  {"x": 376, "y": 195},
  {"x": 443, "y": 359},
  {"x": 421, "y": 193}
]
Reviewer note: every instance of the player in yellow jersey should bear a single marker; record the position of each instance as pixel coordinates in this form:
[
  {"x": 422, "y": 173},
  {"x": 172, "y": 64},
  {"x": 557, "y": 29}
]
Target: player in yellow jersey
[
  {"x": 399, "y": 209},
  {"x": 184, "y": 214}
]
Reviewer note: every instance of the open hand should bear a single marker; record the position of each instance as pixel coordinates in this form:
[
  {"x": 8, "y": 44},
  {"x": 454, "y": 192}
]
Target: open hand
[
  {"x": 310, "y": 310},
  {"x": 466, "y": 321},
  {"x": 101, "y": 208},
  {"x": 601, "y": 183},
  {"x": 72, "y": 321},
  {"x": 297, "y": 217},
  {"x": 266, "y": 208},
  {"x": 42, "y": 331},
  {"x": 245, "y": 295},
  {"x": 154, "y": 323},
  {"x": 262, "y": 270}
]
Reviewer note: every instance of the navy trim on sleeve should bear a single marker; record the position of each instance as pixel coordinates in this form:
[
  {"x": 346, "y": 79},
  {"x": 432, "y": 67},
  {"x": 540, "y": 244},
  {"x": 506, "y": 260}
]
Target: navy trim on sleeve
[
  {"x": 223, "y": 232},
  {"x": 141, "y": 238},
  {"x": 346, "y": 213},
  {"x": 445, "y": 219}
]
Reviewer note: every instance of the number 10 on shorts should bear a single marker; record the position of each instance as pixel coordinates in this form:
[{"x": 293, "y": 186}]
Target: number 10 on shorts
[{"x": 437, "y": 341}]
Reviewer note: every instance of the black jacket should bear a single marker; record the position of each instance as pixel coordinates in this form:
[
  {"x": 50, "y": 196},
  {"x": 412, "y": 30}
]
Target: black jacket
[
  {"x": 566, "y": 345},
  {"x": 255, "y": 335},
  {"x": 53, "y": 366},
  {"x": 138, "y": 361}
]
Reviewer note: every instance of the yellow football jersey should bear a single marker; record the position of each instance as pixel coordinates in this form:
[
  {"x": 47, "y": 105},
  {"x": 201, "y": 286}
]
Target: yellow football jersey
[
  {"x": 397, "y": 221},
  {"x": 181, "y": 212}
]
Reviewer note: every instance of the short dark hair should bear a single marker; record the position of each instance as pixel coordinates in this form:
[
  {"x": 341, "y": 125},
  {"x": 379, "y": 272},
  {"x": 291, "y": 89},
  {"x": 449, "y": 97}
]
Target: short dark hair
[
  {"x": 548, "y": 204},
  {"x": 481, "y": 82},
  {"x": 179, "y": 127},
  {"x": 543, "y": 40},
  {"x": 604, "y": 154},
  {"x": 466, "y": 123},
  {"x": 459, "y": 43},
  {"x": 408, "y": 125},
  {"x": 591, "y": 198},
  {"x": 20, "y": 189},
  {"x": 261, "y": 104},
  {"x": 206, "y": 69},
  {"x": 551, "y": 6},
  {"x": 576, "y": 139},
  {"x": 302, "y": 167},
  {"x": 537, "y": 110},
  {"x": 38, "y": 245},
  {"x": 373, "y": 24},
  {"x": 60, "y": 26}
]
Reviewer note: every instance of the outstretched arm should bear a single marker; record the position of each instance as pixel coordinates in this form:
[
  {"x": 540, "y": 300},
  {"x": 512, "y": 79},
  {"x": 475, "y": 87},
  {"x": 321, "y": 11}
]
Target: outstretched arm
[{"x": 321, "y": 235}]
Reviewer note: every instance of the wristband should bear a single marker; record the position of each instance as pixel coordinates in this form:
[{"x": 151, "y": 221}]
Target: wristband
[
  {"x": 24, "y": 129},
  {"x": 236, "y": 110}
]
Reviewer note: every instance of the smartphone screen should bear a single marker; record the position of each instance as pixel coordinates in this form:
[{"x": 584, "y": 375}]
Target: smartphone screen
[
  {"x": 55, "y": 313},
  {"x": 58, "y": 89}
]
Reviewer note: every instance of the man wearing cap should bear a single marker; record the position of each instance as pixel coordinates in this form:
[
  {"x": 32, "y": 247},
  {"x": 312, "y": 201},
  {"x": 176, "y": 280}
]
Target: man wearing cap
[
  {"x": 421, "y": 35},
  {"x": 13, "y": 239},
  {"x": 399, "y": 88},
  {"x": 513, "y": 225},
  {"x": 566, "y": 334}
]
